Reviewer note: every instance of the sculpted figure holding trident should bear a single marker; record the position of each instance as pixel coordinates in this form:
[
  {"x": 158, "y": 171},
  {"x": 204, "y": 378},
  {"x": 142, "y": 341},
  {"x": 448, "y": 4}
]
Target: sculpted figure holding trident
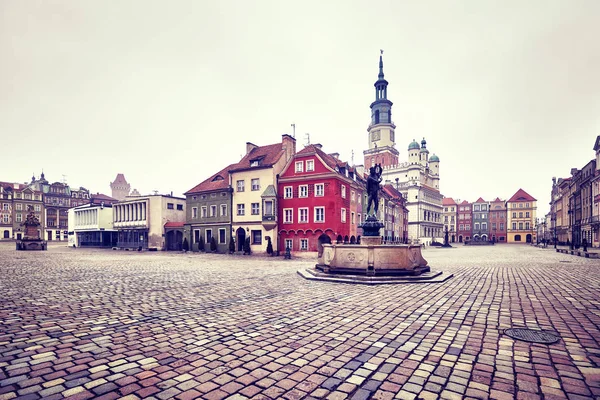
[{"x": 373, "y": 186}]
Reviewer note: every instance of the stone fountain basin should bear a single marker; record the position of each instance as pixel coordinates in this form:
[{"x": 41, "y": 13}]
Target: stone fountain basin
[{"x": 372, "y": 258}]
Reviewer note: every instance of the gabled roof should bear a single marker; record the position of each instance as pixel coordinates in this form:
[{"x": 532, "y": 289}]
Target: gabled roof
[
  {"x": 521, "y": 195},
  {"x": 329, "y": 160},
  {"x": 217, "y": 181},
  {"x": 266, "y": 155},
  {"x": 480, "y": 200},
  {"x": 597, "y": 144},
  {"x": 103, "y": 197},
  {"x": 269, "y": 192},
  {"x": 497, "y": 200},
  {"x": 392, "y": 191},
  {"x": 465, "y": 202},
  {"x": 448, "y": 201}
]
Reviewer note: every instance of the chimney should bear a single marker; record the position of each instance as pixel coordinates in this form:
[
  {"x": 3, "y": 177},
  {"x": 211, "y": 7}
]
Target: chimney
[
  {"x": 335, "y": 155},
  {"x": 250, "y": 147},
  {"x": 289, "y": 145},
  {"x": 318, "y": 146}
]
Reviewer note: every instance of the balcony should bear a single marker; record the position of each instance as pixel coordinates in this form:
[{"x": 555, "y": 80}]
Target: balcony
[{"x": 269, "y": 221}]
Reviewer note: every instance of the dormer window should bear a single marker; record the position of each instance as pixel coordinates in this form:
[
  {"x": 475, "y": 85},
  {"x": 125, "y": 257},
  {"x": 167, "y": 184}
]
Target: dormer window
[{"x": 256, "y": 162}]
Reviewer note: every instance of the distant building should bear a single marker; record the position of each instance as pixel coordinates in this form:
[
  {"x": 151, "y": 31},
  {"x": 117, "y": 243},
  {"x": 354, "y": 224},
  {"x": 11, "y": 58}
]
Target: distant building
[
  {"x": 140, "y": 222},
  {"x": 418, "y": 179},
  {"x": 254, "y": 181},
  {"x": 450, "y": 218},
  {"x": 120, "y": 187},
  {"x": 99, "y": 199},
  {"x": 465, "y": 221},
  {"x": 208, "y": 215},
  {"x": 481, "y": 220},
  {"x": 498, "y": 220},
  {"x": 91, "y": 225},
  {"x": 318, "y": 194},
  {"x": 521, "y": 217}
]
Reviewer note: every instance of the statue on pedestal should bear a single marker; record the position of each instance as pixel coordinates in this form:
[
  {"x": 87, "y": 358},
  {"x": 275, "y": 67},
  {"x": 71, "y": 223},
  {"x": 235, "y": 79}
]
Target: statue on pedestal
[{"x": 373, "y": 187}]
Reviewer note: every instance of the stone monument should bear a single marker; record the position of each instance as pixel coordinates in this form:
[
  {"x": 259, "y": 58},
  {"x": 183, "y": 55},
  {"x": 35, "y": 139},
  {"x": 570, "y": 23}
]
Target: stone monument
[
  {"x": 371, "y": 257},
  {"x": 31, "y": 240}
]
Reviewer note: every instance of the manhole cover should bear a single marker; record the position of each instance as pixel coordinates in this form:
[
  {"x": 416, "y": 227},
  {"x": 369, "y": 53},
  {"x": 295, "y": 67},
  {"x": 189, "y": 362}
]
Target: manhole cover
[{"x": 531, "y": 335}]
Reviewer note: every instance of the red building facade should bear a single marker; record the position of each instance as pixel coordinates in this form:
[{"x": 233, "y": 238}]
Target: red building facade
[
  {"x": 465, "y": 221},
  {"x": 498, "y": 220},
  {"x": 318, "y": 194}
]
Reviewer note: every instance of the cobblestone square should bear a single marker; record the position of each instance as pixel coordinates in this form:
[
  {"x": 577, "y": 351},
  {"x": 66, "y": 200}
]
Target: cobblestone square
[{"x": 81, "y": 323}]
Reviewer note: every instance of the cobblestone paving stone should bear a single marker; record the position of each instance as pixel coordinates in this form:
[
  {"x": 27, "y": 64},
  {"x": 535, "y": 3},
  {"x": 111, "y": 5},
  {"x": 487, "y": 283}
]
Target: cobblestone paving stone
[{"x": 78, "y": 324}]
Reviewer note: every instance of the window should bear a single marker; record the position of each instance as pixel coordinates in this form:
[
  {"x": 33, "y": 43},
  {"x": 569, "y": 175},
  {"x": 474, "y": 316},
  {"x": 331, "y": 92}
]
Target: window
[
  {"x": 180, "y": 207},
  {"x": 461, "y": 227},
  {"x": 527, "y": 205},
  {"x": 527, "y": 225},
  {"x": 194, "y": 212},
  {"x": 520, "y": 215},
  {"x": 352, "y": 195},
  {"x": 310, "y": 165},
  {"x": 240, "y": 186},
  {"x": 527, "y": 214},
  {"x": 352, "y": 218},
  {"x": 303, "y": 244},
  {"x": 319, "y": 214},
  {"x": 303, "y": 215},
  {"x": 303, "y": 191},
  {"x": 501, "y": 226},
  {"x": 343, "y": 215},
  {"x": 5, "y": 206},
  {"x": 222, "y": 238},
  {"x": 170, "y": 206},
  {"x": 208, "y": 235},
  {"x": 484, "y": 207},
  {"x": 343, "y": 191},
  {"x": 514, "y": 225},
  {"x": 359, "y": 218},
  {"x": 19, "y": 217},
  {"x": 213, "y": 210},
  {"x": 476, "y": 207},
  {"x": 204, "y": 211},
  {"x": 287, "y": 192},
  {"x": 18, "y": 206},
  {"x": 520, "y": 205},
  {"x": 241, "y": 209},
  {"x": 268, "y": 208},
  {"x": 493, "y": 225},
  {"x": 255, "y": 208},
  {"x": 476, "y": 226},
  {"x": 288, "y": 215},
  {"x": 289, "y": 243},
  {"x": 520, "y": 226},
  {"x": 299, "y": 166},
  {"x": 256, "y": 237},
  {"x": 514, "y": 215},
  {"x": 255, "y": 184},
  {"x": 484, "y": 226},
  {"x": 196, "y": 235},
  {"x": 319, "y": 190},
  {"x": 223, "y": 210}
]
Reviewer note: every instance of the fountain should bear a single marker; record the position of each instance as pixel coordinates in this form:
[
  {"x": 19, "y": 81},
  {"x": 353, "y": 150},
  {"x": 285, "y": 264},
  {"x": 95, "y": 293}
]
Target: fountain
[
  {"x": 371, "y": 261},
  {"x": 31, "y": 240}
]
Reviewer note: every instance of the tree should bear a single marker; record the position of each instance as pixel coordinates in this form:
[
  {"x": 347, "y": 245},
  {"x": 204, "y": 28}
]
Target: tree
[
  {"x": 231, "y": 245},
  {"x": 185, "y": 246},
  {"x": 213, "y": 244},
  {"x": 200, "y": 243},
  {"x": 269, "y": 246},
  {"x": 247, "y": 248}
]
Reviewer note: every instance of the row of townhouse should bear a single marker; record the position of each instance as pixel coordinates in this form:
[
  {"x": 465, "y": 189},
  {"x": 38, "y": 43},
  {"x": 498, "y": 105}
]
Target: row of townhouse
[
  {"x": 289, "y": 198},
  {"x": 49, "y": 202},
  {"x": 574, "y": 215},
  {"x": 510, "y": 221}
]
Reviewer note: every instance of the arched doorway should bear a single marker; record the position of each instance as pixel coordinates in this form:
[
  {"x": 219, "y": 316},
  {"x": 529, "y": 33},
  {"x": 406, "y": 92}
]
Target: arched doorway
[
  {"x": 6, "y": 235},
  {"x": 453, "y": 238},
  {"x": 528, "y": 238},
  {"x": 484, "y": 238},
  {"x": 517, "y": 238},
  {"x": 460, "y": 239},
  {"x": 241, "y": 238}
]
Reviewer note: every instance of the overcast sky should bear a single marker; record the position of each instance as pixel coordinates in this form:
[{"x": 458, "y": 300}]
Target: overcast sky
[{"x": 506, "y": 93}]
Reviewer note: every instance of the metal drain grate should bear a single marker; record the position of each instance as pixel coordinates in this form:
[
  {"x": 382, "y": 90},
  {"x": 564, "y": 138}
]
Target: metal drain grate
[{"x": 532, "y": 335}]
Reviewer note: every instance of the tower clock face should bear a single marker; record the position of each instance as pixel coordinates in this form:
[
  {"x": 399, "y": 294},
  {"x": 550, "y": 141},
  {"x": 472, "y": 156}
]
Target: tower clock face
[{"x": 375, "y": 135}]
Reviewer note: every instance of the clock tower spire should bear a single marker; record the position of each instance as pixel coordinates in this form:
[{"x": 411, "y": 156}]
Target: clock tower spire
[{"x": 381, "y": 129}]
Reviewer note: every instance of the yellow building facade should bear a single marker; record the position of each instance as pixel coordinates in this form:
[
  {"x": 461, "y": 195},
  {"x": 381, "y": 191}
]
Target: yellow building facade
[{"x": 521, "y": 216}]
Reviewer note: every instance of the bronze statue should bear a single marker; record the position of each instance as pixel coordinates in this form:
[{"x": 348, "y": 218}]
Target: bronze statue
[{"x": 373, "y": 186}]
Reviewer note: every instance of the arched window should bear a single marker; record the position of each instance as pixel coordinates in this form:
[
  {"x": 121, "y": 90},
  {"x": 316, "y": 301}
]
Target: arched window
[{"x": 376, "y": 116}]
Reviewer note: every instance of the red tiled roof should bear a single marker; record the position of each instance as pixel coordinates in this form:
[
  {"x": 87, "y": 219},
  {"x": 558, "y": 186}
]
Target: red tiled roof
[
  {"x": 480, "y": 200},
  {"x": 497, "y": 200},
  {"x": 430, "y": 188},
  {"x": 448, "y": 201},
  {"x": 392, "y": 191},
  {"x": 120, "y": 179},
  {"x": 521, "y": 195},
  {"x": 220, "y": 180},
  {"x": 174, "y": 225},
  {"x": 329, "y": 160},
  {"x": 465, "y": 202},
  {"x": 100, "y": 196},
  {"x": 267, "y": 155}
]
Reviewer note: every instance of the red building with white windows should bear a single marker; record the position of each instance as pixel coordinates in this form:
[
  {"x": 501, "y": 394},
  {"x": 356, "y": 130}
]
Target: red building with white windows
[
  {"x": 498, "y": 220},
  {"x": 318, "y": 194},
  {"x": 465, "y": 222}
]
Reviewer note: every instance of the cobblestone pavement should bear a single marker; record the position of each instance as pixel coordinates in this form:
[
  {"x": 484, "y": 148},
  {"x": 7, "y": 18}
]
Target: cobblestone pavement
[{"x": 79, "y": 323}]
